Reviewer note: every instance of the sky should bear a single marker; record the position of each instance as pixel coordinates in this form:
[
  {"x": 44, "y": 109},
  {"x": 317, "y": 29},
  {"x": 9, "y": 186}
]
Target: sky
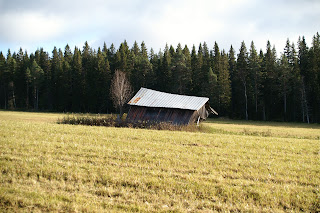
[{"x": 32, "y": 24}]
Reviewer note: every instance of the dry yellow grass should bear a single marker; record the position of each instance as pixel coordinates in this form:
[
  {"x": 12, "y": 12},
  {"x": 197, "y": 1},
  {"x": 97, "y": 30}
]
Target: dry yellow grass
[
  {"x": 264, "y": 129},
  {"x": 45, "y": 166}
]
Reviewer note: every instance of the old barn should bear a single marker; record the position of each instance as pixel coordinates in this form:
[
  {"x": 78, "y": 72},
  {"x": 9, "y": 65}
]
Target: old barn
[{"x": 155, "y": 106}]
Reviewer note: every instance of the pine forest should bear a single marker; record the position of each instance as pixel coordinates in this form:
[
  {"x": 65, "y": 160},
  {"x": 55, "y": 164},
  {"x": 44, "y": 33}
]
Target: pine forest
[{"x": 246, "y": 84}]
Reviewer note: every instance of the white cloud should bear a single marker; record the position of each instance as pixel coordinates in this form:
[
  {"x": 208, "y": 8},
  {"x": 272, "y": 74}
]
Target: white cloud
[
  {"x": 29, "y": 27},
  {"x": 49, "y": 23}
]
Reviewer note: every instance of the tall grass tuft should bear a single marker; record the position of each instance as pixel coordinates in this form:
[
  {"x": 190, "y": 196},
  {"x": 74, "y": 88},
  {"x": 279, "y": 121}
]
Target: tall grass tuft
[
  {"x": 114, "y": 121},
  {"x": 89, "y": 120}
]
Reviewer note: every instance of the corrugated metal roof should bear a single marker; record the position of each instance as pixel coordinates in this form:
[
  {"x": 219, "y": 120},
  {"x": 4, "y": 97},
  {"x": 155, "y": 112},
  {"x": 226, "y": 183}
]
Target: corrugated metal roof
[{"x": 151, "y": 98}]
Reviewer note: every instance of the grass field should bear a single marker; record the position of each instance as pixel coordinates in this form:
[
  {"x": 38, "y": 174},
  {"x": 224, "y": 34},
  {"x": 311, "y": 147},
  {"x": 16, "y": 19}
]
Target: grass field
[{"x": 230, "y": 166}]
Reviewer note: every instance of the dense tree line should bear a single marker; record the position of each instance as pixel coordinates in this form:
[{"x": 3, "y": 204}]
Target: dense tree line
[{"x": 250, "y": 85}]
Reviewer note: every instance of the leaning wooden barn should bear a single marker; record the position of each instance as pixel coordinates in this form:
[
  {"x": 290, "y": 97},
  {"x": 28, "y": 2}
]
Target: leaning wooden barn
[{"x": 155, "y": 106}]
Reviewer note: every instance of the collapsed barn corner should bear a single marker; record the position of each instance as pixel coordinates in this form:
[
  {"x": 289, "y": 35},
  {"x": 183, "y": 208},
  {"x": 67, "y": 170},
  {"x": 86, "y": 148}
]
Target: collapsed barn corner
[{"x": 149, "y": 105}]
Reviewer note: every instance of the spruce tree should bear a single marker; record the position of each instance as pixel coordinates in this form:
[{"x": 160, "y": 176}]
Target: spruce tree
[
  {"x": 67, "y": 76},
  {"x": 105, "y": 49},
  {"x": 206, "y": 62},
  {"x": 284, "y": 77},
  {"x": 313, "y": 78},
  {"x": 216, "y": 58},
  {"x": 142, "y": 71},
  {"x": 303, "y": 60},
  {"x": 56, "y": 80},
  {"x": 224, "y": 85},
  {"x": 111, "y": 55},
  {"x": 146, "y": 67},
  {"x": 44, "y": 63},
  {"x": 172, "y": 51},
  {"x": 102, "y": 83},
  {"x": 154, "y": 61},
  {"x": 212, "y": 81},
  {"x": 242, "y": 76},
  {"x": 216, "y": 65},
  {"x": 28, "y": 81},
  {"x": 37, "y": 76},
  {"x": 180, "y": 72},
  {"x": 78, "y": 81},
  {"x": 124, "y": 59},
  {"x": 290, "y": 83},
  {"x": 62, "y": 84},
  {"x": 90, "y": 77},
  {"x": 186, "y": 53},
  {"x": 194, "y": 72},
  {"x": 19, "y": 78},
  {"x": 157, "y": 61},
  {"x": 165, "y": 74},
  {"x": 234, "y": 91},
  {"x": 3, "y": 82},
  {"x": 198, "y": 73},
  {"x": 255, "y": 77},
  {"x": 11, "y": 68},
  {"x": 270, "y": 87},
  {"x": 135, "y": 49},
  {"x": 121, "y": 58}
]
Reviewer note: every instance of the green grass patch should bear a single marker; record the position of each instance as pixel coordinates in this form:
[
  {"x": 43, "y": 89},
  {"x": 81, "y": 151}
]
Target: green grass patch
[{"x": 45, "y": 166}]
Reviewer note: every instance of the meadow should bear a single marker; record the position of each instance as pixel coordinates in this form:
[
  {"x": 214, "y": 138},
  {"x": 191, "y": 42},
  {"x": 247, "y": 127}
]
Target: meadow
[{"x": 227, "y": 166}]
